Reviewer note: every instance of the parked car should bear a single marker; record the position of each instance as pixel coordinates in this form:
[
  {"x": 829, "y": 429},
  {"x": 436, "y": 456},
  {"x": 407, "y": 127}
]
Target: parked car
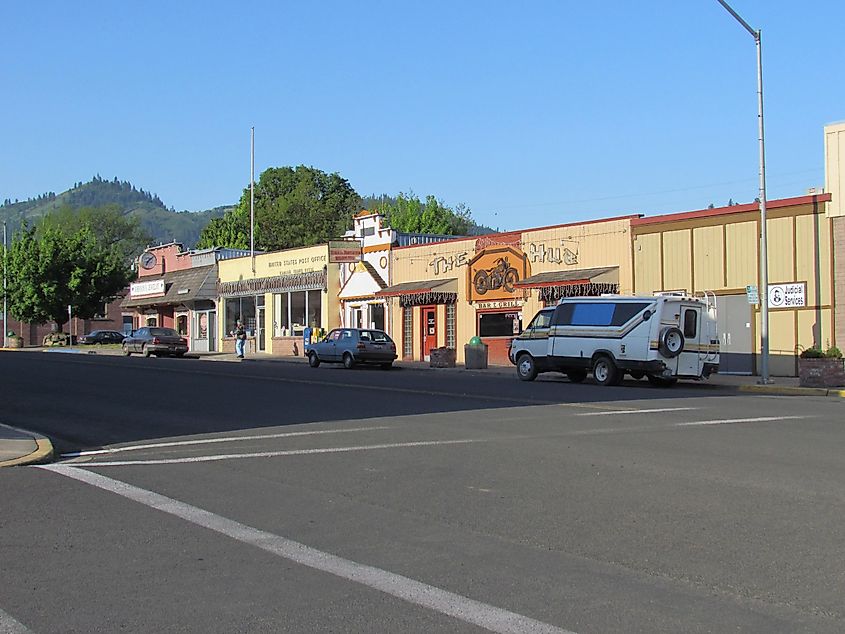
[
  {"x": 353, "y": 345},
  {"x": 151, "y": 340},
  {"x": 102, "y": 336}
]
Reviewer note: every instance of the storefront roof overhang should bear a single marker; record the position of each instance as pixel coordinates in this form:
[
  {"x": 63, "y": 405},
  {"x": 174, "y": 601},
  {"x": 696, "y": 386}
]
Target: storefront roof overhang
[
  {"x": 421, "y": 287},
  {"x": 423, "y": 292},
  {"x": 181, "y": 288},
  {"x": 600, "y": 275}
]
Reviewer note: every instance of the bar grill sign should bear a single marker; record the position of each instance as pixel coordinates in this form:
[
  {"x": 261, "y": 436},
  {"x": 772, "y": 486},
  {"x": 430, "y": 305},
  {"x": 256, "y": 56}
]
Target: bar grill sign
[{"x": 788, "y": 295}]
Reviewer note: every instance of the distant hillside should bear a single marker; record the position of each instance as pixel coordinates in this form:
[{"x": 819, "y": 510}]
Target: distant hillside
[{"x": 165, "y": 225}]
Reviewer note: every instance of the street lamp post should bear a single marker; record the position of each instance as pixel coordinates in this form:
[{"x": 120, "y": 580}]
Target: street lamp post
[
  {"x": 5, "y": 303},
  {"x": 764, "y": 258}
]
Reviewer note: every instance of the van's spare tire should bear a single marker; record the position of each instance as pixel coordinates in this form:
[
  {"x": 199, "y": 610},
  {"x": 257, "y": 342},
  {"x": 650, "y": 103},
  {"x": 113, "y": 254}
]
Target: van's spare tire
[{"x": 671, "y": 342}]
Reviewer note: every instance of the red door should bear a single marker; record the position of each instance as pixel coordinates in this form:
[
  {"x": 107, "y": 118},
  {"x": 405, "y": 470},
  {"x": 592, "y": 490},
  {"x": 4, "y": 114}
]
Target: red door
[{"x": 429, "y": 331}]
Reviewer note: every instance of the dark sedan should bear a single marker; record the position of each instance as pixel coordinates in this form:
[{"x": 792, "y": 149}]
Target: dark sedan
[
  {"x": 102, "y": 336},
  {"x": 353, "y": 345},
  {"x": 151, "y": 340}
]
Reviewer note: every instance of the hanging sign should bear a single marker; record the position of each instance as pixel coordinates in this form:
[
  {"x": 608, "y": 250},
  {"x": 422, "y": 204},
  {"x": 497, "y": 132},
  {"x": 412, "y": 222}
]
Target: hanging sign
[
  {"x": 343, "y": 251},
  {"x": 752, "y": 294}
]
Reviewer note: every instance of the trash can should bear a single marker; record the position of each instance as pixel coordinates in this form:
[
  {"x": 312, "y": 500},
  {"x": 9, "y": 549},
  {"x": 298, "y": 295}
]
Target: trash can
[{"x": 475, "y": 354}]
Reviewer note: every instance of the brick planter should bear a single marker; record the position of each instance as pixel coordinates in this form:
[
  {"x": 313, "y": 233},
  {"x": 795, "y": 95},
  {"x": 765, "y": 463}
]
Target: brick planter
[
  {"x": 443, "y": 358},
  {"x": 821, "y": 372}
]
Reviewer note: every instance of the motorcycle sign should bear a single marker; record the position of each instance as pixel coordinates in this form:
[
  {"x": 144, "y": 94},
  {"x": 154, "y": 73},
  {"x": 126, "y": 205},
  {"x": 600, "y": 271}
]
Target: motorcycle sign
[{"x": 502, "y": 275}]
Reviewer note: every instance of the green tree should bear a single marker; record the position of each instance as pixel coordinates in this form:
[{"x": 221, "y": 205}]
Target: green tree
[
  {"x": 293, "y": 207},
  {"x": 409, "y": 214},
  {"x": 110, "y": 226},
  {"x": 51, "y": 268},
  {"x": 231, "y": 230}
]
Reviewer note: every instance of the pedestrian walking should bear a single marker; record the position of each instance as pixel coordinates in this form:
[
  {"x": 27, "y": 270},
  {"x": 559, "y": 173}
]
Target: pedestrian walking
[{"x": 240, "y": 339}]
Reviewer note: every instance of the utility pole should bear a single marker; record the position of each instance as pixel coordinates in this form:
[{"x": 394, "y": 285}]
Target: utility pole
[
  {"x": 5, "y": 302},
  {"x": 764, "y": 256}
]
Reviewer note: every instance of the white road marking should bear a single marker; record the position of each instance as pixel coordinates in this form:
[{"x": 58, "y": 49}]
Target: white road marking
[
  {"x": 638, "y": 411},
  {"x": 180, "y": 443},
  {"x": 731, "y": 421},
  {"x": 8, "y": 625},
  {"x": 459, "y": 607},
  {"x": 272, "y": 454}
]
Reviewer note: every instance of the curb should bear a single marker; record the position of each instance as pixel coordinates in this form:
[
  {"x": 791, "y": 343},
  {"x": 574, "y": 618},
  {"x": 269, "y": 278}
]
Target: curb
[
  {"x": 792, "y": 391},
  {"x": 43, "y": 450}
]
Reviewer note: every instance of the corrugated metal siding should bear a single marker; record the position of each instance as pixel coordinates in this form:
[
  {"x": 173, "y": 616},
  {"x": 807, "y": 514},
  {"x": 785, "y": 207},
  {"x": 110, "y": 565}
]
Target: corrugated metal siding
[
  {"x": 647, "y": 263},
  {"x": 741, "y": 254},
  {"x": 676, "y": 260},
  {"x": 709, "y": 251}
]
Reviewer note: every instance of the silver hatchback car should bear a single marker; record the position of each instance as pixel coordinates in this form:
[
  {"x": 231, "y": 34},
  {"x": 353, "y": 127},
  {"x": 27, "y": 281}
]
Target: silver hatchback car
[{"x": 350, "y": 346}]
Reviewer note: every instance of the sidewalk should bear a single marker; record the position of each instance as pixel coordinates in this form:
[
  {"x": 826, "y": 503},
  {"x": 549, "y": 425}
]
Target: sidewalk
[{"x": 18, "y": 447}]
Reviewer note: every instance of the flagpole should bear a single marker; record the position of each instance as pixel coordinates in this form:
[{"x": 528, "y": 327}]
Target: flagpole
[{"x": 252, "y": 196}]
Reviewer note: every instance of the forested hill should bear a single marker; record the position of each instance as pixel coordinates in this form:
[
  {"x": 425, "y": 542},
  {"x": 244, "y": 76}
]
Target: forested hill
[{"x": 163, "y": 224}]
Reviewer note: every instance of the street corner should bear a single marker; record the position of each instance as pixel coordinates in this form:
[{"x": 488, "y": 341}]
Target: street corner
[{"x": 20, "y": 447}]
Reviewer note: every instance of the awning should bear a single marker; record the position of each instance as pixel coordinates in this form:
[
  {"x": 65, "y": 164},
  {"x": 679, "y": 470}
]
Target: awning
[
  {"x": 180, "y": 287},
  {"x": 606, "y": 274},
  {"x": 423, "y": 292},
  {"x": 573, "y": 283}
]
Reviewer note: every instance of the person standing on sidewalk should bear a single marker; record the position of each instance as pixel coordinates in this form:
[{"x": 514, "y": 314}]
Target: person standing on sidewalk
[{"x": 240, "y": 339}]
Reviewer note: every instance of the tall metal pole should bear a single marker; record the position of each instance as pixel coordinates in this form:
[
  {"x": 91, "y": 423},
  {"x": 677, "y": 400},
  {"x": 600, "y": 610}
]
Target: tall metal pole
[
  {"x": 5, "y": 303},
  {"x": 252, "y": 196},
  {"x": 764, "y": 256}
]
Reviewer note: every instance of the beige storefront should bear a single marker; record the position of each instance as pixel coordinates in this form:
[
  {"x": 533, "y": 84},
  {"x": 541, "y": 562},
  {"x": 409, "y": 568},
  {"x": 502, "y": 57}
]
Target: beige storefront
[
  {"x": 288, "y": 292},
  {"x": 717, "y": 250},
  {"x": 443, "y": 294}
]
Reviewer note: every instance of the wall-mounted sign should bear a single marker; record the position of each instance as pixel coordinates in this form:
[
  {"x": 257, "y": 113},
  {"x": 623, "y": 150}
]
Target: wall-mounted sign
[
  {"x": 343, "y": 251},
  {"x": 494, "y": 271},
  {"x": 752, "y": 294},
  {"x": 146, "y": 289},
  {"x": 788, "y": 295},
  {"x": 505, "y": 303}
]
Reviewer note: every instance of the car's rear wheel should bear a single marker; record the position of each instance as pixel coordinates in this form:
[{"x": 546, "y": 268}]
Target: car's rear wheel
[
  {"x": 636, "y": 374},
  {"x": 348, "y": 361},
  {"x": 313, "y": 360},
  {"x": 126, "y": 351},
  {"x": 605, "y": 371},
  {"x": 146, "y": 351},
  {"x": 577, "y": 376},
  {"x": 526, "y": 367}
]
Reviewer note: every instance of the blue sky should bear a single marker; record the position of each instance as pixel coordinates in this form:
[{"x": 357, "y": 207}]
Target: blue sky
[{"x": 530, "y": 113}]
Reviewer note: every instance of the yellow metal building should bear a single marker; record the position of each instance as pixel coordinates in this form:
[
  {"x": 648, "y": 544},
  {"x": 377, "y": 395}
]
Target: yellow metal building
[{"x": 717, "y": 250}]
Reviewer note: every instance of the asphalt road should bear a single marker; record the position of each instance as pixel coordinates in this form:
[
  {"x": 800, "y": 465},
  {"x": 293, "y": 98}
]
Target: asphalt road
[{"x": 271, "y": 497}]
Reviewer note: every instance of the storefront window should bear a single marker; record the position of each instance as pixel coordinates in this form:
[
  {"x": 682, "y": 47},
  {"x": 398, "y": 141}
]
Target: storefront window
[
  {"x": 499, "y": 324},
  {"x": 315, "y": 308},
  {"x": 298, "y": 318},
  {"x": 182, "y": 325},
  {"x": 450, "y": 326},
  {"x": 242, "y": 308},
  {"x": 294, "y": 311},
  {"x": 408, "y": 332},
  {"x": 377, "y": 316}
]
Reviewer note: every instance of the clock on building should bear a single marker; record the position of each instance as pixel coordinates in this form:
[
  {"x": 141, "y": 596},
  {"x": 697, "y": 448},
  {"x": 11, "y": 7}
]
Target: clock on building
[{"x": 148, "y": 260}]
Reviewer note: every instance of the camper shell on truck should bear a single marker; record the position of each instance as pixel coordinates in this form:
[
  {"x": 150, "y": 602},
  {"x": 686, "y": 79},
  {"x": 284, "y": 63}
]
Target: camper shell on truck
[{"x": 665, "y": 337}]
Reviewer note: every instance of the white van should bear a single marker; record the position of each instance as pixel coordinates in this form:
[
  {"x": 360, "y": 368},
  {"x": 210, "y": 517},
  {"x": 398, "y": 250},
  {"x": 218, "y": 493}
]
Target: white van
[{"x": 663, "y": 337}]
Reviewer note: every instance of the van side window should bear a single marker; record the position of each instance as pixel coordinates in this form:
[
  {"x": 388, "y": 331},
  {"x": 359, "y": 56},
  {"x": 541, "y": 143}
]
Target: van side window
[
  {"x": 596, "y": 313},
  {"x": 541, "y": 320},
  {"x": 690, "y": 324}
]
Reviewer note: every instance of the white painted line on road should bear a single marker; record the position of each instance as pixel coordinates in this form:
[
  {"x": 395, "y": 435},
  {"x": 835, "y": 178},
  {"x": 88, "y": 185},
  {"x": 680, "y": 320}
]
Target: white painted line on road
[
  {"x": 638, "y": 411},
  {"x": 8, "y": 625},
  {"x": 180, "y": 443},
  {"x": 459, "y": 607},
  {"x": 273, "y": 454},
  {"x": 732, "y": 421}
]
